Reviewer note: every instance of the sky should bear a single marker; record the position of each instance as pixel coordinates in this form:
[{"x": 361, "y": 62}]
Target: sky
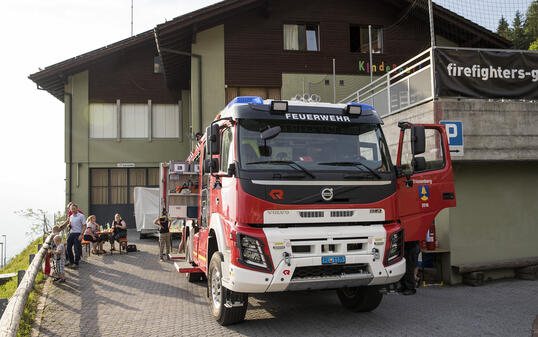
[{"x": 36, "y": 34}]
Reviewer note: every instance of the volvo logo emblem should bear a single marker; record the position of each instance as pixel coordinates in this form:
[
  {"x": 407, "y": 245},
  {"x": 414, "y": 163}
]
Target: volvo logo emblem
[{"x": 327, "y": 194}]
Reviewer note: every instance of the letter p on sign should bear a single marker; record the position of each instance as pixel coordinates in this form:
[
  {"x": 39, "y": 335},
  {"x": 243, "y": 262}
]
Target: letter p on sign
[{"x": 454, "y": 132}]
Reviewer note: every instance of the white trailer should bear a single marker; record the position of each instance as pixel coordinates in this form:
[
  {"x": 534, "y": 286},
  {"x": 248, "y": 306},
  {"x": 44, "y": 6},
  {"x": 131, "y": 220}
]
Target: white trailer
[{"x": 146, "y": 209}]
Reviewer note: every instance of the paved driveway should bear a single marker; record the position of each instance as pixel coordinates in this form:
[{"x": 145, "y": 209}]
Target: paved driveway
[{"x": 135, "y": 295}]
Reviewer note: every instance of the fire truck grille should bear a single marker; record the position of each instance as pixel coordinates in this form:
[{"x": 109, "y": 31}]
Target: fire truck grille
[
  {"x": 329, "y": 270},
  {"x": 311, "y": 214},
  {"x": 339, "y": 214}
]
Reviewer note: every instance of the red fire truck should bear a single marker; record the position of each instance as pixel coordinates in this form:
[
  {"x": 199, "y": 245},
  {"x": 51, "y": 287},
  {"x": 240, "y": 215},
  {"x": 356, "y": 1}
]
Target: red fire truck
[{"x": 304, "y": 196}]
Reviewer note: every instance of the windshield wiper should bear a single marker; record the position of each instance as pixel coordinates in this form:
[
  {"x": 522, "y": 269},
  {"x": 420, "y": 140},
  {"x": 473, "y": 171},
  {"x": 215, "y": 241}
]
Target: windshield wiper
[
  {"x": 357, "y": 164},
  {"x": 284, "y": 162}
]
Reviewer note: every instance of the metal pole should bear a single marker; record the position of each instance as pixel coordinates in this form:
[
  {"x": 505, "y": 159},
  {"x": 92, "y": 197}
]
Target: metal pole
[
  {"x": 131, "y": 18},
  {"x": 334, "y": 80},
  {"x": 432, "y": 30},
  {"x": 2, "y": 255},
  {"x": 370, "y": 51},
  {"x": 5, "y": 249}
]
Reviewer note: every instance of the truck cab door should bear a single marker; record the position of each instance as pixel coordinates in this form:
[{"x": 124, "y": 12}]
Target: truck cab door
[{"x": 425, "y": 182}]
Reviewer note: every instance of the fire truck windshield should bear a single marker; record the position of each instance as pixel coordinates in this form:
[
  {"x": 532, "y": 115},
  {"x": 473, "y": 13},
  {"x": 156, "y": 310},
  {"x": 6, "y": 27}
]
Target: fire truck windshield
[{"x": 310, "y": 147}]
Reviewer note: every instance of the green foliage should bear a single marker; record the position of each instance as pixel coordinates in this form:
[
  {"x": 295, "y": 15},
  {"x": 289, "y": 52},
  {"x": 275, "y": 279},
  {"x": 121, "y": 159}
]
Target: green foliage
[
  {"x": 21, "y": 262},
  {"x": 30, "y": 309},
  {"x": 523, "y": 30},
  {"x": 531, "y": 22},
  {"x": 503, "y": 29},
  {"x": 519, "y": 39},
  {"x": 38, "y": 220},
  {"x": 534, "y": 45}
]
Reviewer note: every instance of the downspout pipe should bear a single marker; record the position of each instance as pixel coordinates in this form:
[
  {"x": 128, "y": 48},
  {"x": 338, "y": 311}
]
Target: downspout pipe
[
  {"x": 70, "y": 167},
  {"x": 184, "y": 53}
]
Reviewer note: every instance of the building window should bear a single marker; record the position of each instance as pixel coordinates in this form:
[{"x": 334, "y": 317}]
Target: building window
[
  {"x": 115, "y": 186},
  {"x": 103, "y": 120},
  {"x": 358, "y": 39},
  {"x": 301, "y": 37},
  {"x": 165, "y": 120},
  {"x": 99, "y": 189},
  {"x": 134, "y": 120}
]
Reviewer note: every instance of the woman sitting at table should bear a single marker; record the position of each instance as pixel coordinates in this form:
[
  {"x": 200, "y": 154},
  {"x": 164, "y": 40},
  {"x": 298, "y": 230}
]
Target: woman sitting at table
[
  {"x": 120, "y": 230},
  {"x": 92, "y": 228}
]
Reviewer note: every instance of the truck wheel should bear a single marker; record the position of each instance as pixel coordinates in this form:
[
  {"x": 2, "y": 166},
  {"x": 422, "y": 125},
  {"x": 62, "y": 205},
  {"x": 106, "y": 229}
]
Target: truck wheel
[
  {"x": 191, "y": 277},
  {"x": 359, "y": 299},
  {"x": 223, "y": 312}
]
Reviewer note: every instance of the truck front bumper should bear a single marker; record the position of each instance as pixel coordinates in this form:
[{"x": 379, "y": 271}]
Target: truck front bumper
[{"x": 285, "y": 277}]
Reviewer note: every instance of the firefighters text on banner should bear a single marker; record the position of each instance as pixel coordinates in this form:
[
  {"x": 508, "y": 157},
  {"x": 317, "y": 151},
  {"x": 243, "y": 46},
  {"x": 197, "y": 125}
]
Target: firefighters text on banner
[{"x": 486, "y": 74}]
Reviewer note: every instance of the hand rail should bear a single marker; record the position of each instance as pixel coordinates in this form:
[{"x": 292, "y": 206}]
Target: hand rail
[
  {"x": 396, "y": 72},
  {"x": 9, "y": 324}
]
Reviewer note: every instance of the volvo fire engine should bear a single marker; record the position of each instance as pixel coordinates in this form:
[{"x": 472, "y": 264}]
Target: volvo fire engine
[{"x": 301, "y": 195}]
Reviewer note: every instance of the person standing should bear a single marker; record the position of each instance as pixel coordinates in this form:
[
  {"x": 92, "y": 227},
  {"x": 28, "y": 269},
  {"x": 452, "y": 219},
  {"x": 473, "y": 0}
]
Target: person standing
[
  {"x": 164, "y": 235},
  {"x": 59, "y": 257},
  {"x": 78, "y": 226}
]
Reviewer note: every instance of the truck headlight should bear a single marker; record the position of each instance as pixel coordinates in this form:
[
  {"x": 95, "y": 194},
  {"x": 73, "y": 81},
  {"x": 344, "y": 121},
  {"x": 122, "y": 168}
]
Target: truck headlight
[
  {"x": 251, "y": 251},
  {"x": 395, "y": 248}
]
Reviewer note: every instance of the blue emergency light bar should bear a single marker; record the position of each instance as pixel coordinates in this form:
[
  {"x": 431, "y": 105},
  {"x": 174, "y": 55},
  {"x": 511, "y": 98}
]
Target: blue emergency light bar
[{"x": 245, "y": 99}]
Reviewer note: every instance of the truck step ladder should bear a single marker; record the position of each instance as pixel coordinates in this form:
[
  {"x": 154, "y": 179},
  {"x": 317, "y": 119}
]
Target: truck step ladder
[
  {"x": 180, "y": 257},
  {"x": 185, "y": 267}
]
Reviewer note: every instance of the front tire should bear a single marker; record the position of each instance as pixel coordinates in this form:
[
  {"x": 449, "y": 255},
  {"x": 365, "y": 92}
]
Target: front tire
[
  {"x": 359, "y": 299},
  {"x": 218, "y": 296}
]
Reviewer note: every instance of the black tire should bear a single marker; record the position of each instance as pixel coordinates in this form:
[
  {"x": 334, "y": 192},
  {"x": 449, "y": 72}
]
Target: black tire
[
  {"x": 191, "y": 277},
  {"x": 360, "y": 299},
  {"x": 142, "y": 236},
  {"x": 218, "y": 294}
]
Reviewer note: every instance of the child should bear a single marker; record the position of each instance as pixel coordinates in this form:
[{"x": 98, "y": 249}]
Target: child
[
  {"x": 55, "y": 231},
  {"x": 59, "y": 256}
]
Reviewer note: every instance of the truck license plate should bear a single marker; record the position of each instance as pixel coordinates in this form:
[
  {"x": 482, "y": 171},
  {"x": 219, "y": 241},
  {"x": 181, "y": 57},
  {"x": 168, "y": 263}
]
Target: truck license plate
[{"x": 333, "y": 259}]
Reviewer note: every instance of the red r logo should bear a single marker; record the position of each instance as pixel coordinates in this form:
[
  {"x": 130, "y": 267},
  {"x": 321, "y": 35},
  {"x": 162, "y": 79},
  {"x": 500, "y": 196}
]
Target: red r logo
[
  {"x": 286, "y": 272},
  {"x": 276, "y": 194}
]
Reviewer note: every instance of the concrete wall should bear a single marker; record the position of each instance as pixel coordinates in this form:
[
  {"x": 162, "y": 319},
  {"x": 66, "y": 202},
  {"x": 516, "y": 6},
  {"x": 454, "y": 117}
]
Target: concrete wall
[
  {"x": 496, "y": 214},
  {"x": 292, "y": 84},
  {"x": 210, "y": 45},
  {"x": 495, "y": 130},
  {"x": 90, "y": 153}
]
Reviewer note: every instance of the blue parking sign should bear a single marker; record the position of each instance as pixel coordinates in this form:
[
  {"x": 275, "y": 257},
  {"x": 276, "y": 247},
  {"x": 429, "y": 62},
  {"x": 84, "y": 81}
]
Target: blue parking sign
[{"x": 454, "y": 132}]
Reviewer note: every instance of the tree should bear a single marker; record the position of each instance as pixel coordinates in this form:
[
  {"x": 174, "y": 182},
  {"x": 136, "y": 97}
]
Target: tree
[
  {"x": 531, "y": 22},
  {"x": 503, "y": 29},
  {"x": 519, "y": 39},
  {"x": 39, "y": 221}
]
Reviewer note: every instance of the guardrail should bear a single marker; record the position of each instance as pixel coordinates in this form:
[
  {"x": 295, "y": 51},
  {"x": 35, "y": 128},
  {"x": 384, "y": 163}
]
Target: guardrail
[
  {"x": 9, "y": 324},
  {"x": 403, "y": 87}
]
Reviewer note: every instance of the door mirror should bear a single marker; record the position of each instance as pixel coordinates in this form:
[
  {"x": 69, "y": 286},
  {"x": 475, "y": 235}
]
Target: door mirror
[
  {"x": 212, "y": 139},
  {"x": 270, "y": 133},
  {"x": 418, "y": 139},
  {"x": 419, "y": 164}
]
